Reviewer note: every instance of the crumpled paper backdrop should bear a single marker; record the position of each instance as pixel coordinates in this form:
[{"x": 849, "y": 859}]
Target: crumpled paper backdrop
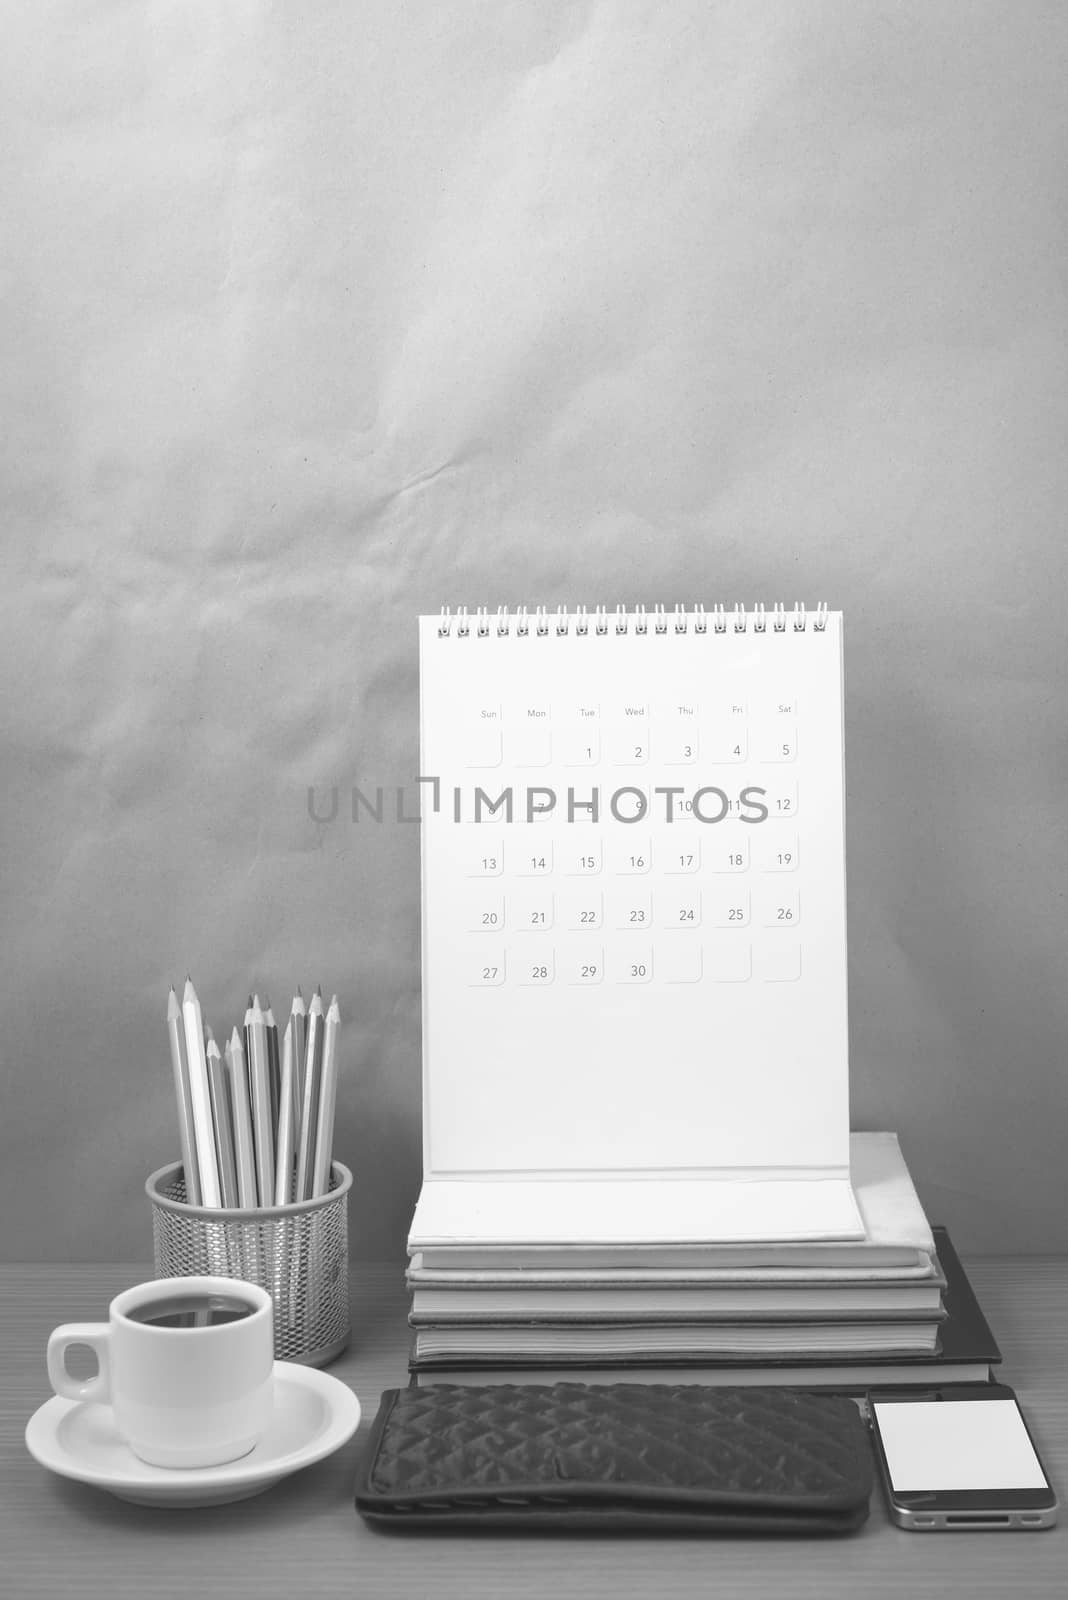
[{"x": 317, "y": 317}]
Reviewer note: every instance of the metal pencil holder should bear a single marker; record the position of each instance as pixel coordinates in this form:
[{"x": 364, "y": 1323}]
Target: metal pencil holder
[{"x": 299, "y": 1253}]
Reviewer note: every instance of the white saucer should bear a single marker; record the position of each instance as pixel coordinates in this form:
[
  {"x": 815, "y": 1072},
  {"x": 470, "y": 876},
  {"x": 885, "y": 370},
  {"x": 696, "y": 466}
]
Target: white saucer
[{"x": 314, "y": 1415}]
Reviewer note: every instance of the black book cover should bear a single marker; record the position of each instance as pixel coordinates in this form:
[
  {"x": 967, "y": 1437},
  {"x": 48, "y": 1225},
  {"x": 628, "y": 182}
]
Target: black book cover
[{"x": 965, "y": 1334}]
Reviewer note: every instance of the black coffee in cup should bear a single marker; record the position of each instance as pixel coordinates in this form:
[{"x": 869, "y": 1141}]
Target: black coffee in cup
[{"x": 192, "y": 1310}]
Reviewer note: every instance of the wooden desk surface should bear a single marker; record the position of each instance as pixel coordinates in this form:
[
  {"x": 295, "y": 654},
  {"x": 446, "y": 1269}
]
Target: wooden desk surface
[{"x": 302, "y": 1539}]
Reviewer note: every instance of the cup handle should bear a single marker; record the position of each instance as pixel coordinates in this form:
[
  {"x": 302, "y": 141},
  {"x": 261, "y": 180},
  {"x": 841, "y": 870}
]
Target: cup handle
[{"x": 97, "y": 1335}]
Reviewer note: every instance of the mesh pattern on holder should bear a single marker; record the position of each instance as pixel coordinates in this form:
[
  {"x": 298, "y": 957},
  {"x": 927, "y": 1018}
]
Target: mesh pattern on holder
[{"x": 299, "y": 1253}]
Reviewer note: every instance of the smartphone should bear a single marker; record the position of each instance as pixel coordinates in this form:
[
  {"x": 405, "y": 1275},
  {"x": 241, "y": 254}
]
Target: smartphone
[{"x": 959, "y": 1457}]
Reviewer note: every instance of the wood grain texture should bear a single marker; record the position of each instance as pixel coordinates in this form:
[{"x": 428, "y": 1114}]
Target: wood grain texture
[{"x": 302, "y": 1539}]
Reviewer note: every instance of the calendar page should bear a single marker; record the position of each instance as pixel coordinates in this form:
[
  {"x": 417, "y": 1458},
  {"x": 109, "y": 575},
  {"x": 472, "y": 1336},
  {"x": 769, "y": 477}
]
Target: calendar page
[{"x": 634, "y": 956}]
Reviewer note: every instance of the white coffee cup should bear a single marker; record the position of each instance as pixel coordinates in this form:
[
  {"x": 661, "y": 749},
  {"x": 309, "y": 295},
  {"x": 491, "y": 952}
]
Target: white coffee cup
[{"x": 191, "y": 1388}]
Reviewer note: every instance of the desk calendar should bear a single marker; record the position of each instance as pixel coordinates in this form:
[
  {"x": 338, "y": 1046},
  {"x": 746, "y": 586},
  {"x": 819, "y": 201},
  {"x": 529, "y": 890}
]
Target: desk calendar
[{"x": 634, "y": 959}]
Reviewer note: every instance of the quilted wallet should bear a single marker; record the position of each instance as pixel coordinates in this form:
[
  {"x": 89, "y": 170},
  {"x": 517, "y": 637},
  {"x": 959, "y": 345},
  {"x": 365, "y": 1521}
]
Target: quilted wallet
[{"x": 627, "y": 1457}]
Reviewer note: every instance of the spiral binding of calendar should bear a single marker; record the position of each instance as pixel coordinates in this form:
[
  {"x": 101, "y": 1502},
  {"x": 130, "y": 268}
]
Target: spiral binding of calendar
[{"x": 541, "y": 621}]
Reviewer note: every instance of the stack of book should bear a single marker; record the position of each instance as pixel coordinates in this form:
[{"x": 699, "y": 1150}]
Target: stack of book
[
  {"x": 636, "y": 1147},
  {"x": 892, "y": 1308}
]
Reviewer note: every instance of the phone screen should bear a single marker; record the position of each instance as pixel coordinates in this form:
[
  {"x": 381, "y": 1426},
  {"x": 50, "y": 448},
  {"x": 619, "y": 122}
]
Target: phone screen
[{"x": 967, "y": 1444}]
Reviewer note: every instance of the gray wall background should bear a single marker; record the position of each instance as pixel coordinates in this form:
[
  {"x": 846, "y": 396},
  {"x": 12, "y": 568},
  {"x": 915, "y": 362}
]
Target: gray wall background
[{"x": 319, "y": 316}]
